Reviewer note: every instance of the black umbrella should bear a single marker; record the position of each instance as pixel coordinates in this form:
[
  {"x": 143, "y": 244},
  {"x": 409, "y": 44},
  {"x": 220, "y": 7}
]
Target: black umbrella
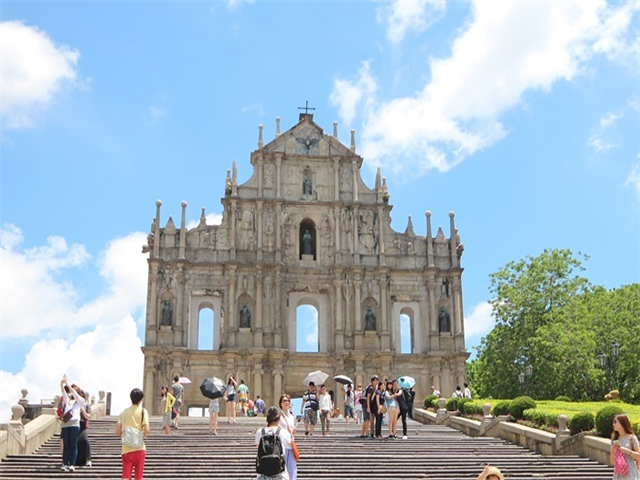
[{"x": 213, "y": 387}]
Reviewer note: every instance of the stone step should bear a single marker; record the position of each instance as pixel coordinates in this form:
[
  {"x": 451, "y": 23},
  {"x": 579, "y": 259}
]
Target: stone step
[{"x": 192, "y": 453}]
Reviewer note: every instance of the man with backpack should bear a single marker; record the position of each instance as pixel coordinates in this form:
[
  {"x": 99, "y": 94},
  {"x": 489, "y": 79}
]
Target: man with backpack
[
  {"x": 272, "y": 442},
  {"x": 310, "y": 407}
]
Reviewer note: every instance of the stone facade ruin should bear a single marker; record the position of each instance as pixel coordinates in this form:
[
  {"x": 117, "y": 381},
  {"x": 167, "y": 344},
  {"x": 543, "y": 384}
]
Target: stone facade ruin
[{"x": 303, "y": 230}]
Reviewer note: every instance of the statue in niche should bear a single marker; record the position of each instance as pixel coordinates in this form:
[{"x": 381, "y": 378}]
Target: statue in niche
[
  {"x": 245, "y": 230},
  {"x": 366, "y": 229},
  {"x": 444, "y": 321},
  {"x": 166, "y": 314},
  {"x": 245, "y": 316},
  {"x": 306, "y": 185},
  {"x": 306, "y": 243},
  {"x": 369, "y": 320},
  {"x": 269, "y": 230},
  {"x": 445, "y": 284}
]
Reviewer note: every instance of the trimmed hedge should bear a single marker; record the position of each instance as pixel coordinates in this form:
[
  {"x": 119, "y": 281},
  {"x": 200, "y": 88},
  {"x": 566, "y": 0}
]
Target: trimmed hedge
[
  {"x": 461, "y": 403},
  {"x": 519, "y": 405},
  {"x": 429, "y": 401},
  {"x": 452, "y": 404},
  {"x": 473, "y": 407},
  {"x": 562, "y": 398},
  {"x": 501, "y": 408},
  {"x": 582, "y": 422},
  {"x": 604, "y": 420}
]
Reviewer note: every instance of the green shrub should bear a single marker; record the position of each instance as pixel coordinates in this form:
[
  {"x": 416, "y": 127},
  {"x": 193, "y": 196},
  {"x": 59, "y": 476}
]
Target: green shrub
[
  {"x": 519, "y": 405},
  {"x": 604, "y": 420},
  {"x": 461, "y": 402},
  {"x": 428, "y": 401},
  {"x": 636, "y": 427},
  {"x": 473, "y": 407},
  {"x": 501, "y": 408},
  {"x": 452, "y": 404},
  {"x": 562, "y": 398},
  {"x": 581, "y": 422}
]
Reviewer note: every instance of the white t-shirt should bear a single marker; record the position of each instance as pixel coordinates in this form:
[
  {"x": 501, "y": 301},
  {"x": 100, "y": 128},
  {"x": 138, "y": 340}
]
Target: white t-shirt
[{"x": 325, "y": 402}]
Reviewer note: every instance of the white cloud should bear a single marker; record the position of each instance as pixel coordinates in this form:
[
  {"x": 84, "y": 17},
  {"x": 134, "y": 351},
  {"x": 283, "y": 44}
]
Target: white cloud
[
  {"x": 25, "y": 271},
  {"x": 155, "y": 114},
  {"x": 403, "y": 16},
  {"x": 506, "y": 50},
  {"x": 235, "y": 4},
  {"x": 633, "y": 180},
  {"x": 479, "y": 322},
  {"x": 600, "y": 140},
  {"x": 34, "y": 71},
  {"x": 212, "y": 219},
  {"x": 348, "y": 95},
  {"x": 107, "y": 358}
]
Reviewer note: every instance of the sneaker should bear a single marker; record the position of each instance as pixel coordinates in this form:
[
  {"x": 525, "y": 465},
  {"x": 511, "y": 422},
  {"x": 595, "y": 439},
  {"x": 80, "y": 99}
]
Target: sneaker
[
  {"x": 72, "y": 468},
  {"x": 88, "y": 464},
  {"x": 64, "y": 468},
  {"x": 404, "y": 437},
  {"x": 215, "y": 432}
]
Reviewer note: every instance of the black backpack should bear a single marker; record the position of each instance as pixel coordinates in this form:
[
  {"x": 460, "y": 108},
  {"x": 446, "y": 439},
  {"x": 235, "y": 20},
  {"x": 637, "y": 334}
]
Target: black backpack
[{"x": 270, "y": 459}]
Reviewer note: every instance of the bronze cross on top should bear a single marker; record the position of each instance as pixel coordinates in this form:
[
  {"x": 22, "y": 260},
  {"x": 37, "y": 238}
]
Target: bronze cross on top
[{"x": 306, "y": 107}]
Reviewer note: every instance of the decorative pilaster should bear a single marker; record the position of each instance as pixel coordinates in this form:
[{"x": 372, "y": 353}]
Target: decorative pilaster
[
  {"x": 257, "y": 331},
  {"x": 259, "y": 229},
  {"x": 339, "y": 329},
  {"x": 278, "y": 156}
]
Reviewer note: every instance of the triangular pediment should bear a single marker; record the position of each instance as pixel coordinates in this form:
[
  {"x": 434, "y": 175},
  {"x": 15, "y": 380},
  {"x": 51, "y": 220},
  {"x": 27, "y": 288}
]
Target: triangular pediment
[{"x": 306, "y": 138}]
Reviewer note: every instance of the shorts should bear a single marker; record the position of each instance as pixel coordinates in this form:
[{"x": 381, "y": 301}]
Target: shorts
[
  {"x": 177, "y": 405},
  {"x": 166, "y": 419},
  {"x": 214, "y": 408},
  {"x": 310, "y": 416},
  {"x": 366, "y": 416},
  {"x": 348, "y": 411},
  {"x": 244, "y": 399},
  {"x": 231, "y": 398}
]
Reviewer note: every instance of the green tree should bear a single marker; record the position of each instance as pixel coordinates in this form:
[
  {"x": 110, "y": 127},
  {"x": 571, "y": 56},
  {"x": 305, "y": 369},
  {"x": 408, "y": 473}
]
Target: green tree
[{"x": 550, "y": 317}]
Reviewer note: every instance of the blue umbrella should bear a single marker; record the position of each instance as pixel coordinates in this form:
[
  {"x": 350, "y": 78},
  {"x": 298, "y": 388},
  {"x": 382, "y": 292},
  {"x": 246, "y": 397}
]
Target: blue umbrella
[{"x": 406, "y": 382}]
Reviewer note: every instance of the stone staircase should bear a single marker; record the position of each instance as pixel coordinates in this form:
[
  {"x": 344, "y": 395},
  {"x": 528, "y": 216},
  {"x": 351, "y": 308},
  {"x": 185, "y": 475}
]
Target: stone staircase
[{"x": 431, "y": 451}]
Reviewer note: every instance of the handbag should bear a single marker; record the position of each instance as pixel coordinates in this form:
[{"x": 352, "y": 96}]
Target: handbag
[
  {"x": 67, "y": 416},
  {"x": 620, "y": 466},
  {"x": 383, "y": 409},
  {"x": 133, "y": 437}
]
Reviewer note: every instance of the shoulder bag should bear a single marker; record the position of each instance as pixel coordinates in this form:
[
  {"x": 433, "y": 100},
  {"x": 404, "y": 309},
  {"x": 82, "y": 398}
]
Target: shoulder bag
[
  {"x": 133, "y": 437},
  {"x": 294, "y": 447}
]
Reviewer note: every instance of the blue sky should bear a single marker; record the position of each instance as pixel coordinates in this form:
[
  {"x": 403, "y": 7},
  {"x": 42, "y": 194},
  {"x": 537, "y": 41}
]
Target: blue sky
[{"x": 522, "y": 117}]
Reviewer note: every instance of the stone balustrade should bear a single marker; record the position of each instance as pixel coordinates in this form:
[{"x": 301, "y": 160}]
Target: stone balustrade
[
  {"x": 539, "y": 441},
  {"x": 24, "y": 435}
]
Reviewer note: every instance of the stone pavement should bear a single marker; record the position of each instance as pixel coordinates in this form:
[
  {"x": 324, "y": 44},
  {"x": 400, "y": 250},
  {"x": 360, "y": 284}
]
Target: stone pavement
[{"x": 431, "y": 451}]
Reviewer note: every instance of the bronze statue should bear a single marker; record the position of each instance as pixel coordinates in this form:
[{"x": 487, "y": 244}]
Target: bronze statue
[
  {"x": 166, "y": 314},
  {"x": 245, "y": 317},
  {"x": 369, "y": 320},
  {"x": 444, "y": 321},
  {"x": 306, "y": 243}
]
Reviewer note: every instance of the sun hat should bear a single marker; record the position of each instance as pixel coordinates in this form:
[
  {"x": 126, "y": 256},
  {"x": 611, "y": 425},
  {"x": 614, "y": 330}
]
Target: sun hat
[{"x": 494, "y": 471}]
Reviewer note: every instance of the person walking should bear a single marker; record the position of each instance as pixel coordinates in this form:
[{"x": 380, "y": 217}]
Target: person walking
[
  {"x": 310, "y": 406},
  {"x": 325, "y": 410},
  {"x": 623, "y": 445},
  {"x": 136, "y": 419},
  {"x": 379, "y": 413},
  {"x": 230, "y": 396},
  {"x": 83, "y": 459},
  {"x": 404, "y": 402},
  {"x": 243, "y": 397},
  {"x": 358, "y": 404},
  {"x": 273, "y": 428},
  {"x": 466, "y": 393},
  {"x": 214, "y": 410},
  {"x": 70, "y": 428},
  {"x": 259, "y": 406},
  {"x": 166, "y": 406},
  {"x": 391, "y": 400},
  {"x": 177, "y": 390},
  {"x": 288, "y": 422},
  {"x": 370, "y": 408},
  {"x": 349, "y": 404}
]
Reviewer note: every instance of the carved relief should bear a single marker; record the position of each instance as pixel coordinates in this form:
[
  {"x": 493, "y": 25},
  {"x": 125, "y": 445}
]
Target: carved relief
[
  {"x": 269, "y": 228},
  {"x": 347, "y": 228},
  {"x": 245, "y": 235},
  {"x": 269, "y": 176},
  {"x": 327, "y": 226},
  {"x": 367, "y": 232}
]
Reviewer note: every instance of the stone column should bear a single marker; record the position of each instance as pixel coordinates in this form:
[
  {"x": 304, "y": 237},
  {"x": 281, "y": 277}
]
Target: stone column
[
  {"x": 356, "y": 242},
  {"x": 156, "y": 231},
  {"x": 336, "y": 180},
  {"x": 257, "y": 381},
  {"x": 357, "y": 312},
  {"x": 259, "y": 228},
  {"x": 232, "y": 231},
  {"x": 354, "y": 171},
  {"x": 231, "y": 307},
  {"x": 183, "y": 232},
  {"x": 149, "y": 387},
  {"x": 384, "y": 320},
  {"x": 260, "y": 176},
  {"x": 278, "y": 228},
  {"x": 430, "y": 260},
  {"x": 339, "y": 328},
  {"x": 433, "y": 316},
  {"x": 278, "y": 156},
  {"x": 279, "y": 315},
  {"x": 381, "y": 236},
  {"x": 257, "y": 331},
  {"x": 152, "y": 317},
  {"x": 277, "y": 386},
  {"x": 180, "y": 338},
  {"x": 338, "y": 243}
]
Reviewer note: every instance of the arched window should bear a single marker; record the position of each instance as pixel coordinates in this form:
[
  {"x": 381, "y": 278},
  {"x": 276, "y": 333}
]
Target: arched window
[
  {"x": 307, "y": 238},
  {"x": 307, "y": 339},
  {"x": 205, "y": 329},
  {"x": 406, "y": 334}
]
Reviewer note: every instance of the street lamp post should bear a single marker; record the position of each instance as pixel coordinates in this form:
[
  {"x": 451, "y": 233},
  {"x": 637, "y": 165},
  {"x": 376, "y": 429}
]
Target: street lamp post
[
  {"x": 525, "y": 377},
  {"x": 607, "y": 363}
]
